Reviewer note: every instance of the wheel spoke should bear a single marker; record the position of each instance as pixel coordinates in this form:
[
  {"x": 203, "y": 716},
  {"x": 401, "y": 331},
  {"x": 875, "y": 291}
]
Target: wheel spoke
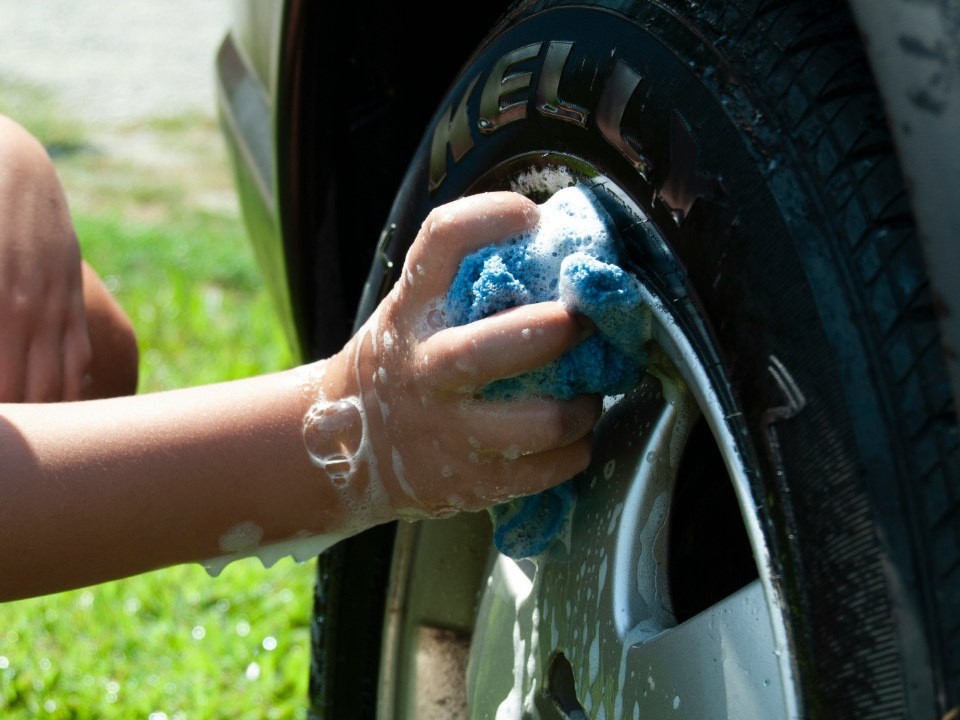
[{"x": 720, "y": 663}]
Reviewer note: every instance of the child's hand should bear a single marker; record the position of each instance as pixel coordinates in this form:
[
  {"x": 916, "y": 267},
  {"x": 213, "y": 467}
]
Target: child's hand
[{"x": 431, "y": 445}]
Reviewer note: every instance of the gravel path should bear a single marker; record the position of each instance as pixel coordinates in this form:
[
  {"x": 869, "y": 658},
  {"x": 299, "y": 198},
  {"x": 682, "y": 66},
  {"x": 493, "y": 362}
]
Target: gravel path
[{"x": 113, "y": 61}]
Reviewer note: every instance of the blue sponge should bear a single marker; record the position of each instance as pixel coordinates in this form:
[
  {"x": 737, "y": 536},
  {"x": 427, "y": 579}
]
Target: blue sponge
[{"x": 571, "y": 256}]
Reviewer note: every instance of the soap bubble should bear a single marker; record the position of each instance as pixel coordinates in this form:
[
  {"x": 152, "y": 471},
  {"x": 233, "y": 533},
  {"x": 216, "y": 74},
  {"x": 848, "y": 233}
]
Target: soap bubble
[{"x": 333, "y": 434}]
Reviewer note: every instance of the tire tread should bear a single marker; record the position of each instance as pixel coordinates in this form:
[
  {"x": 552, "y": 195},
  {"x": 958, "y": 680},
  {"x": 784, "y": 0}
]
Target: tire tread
[{"x": 837, "y": 114}]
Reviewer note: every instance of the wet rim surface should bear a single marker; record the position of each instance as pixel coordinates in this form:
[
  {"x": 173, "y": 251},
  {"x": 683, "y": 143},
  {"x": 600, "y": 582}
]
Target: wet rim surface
[{"x": 659, "y": 598}]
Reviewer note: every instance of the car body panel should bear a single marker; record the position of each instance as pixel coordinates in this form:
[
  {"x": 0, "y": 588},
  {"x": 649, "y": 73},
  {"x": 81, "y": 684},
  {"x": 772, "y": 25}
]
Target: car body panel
[
  {"x": 247, "y": 69},
  {"x": 915, "y": 52}
]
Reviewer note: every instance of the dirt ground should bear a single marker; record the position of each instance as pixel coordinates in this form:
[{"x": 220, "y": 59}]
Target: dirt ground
[
  {"x": 117, "y": 68},
  {"x": 112, "y": 62}
]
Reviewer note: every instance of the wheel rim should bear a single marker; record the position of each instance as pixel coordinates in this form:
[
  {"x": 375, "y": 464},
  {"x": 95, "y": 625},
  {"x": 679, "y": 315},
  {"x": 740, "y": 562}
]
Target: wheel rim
[{"x": 596, "y": 626}]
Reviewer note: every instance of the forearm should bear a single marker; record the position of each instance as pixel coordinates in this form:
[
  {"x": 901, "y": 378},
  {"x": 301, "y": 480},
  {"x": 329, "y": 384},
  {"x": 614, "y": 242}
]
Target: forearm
[{"x": 104, "y": 489}]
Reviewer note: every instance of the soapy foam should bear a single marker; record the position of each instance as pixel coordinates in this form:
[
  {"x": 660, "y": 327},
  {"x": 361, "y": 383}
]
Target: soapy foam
[
  {"x": 301, "y": 549},
  {"x": 540, "y": 181},
  {"x": 400, "y": 473},
  {"x": 241, "y": 537}
]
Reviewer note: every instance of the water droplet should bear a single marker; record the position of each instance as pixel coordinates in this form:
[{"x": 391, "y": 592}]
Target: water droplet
[
  {"x": 269, "y": 643},
  {"x": 512, "y": 452},
  {"x": 436, "y": 320},
  {"x": 609, "y": 468},
  {"x": 676, "y": 702}
]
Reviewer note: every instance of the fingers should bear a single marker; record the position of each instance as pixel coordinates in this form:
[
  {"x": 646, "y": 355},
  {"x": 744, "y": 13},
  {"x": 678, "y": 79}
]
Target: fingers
[
  {"x": 454, "y": 230},
  {"x": 44, "y": 370},
  {"x": 114, "y": 356},
  {"x": 76, "y": 360},
  {"x": 515, "y": 429},
  {"x": 510, "y": 479},
  {"x": 542, "y": 443},
  {"x": 76, "y": 342},
  {"x": 59, "y": 353},
  {"x": 506, "y": 344},
  {"x": 12, "y": 370},
  {"x": 476, "y": 480}
]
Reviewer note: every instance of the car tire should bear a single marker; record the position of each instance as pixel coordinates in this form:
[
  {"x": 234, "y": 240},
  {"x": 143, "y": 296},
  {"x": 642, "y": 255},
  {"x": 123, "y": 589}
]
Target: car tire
[{"x": 742, "y": 149}]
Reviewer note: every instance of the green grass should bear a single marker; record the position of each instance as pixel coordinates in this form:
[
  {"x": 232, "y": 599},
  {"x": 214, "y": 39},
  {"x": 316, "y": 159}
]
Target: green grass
[
  {"x": 173, "y": 641},
  {"x": 193, "y": 295},
  {"x": 39, "y": 111},
  {"x": 158, "y": 220}
]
